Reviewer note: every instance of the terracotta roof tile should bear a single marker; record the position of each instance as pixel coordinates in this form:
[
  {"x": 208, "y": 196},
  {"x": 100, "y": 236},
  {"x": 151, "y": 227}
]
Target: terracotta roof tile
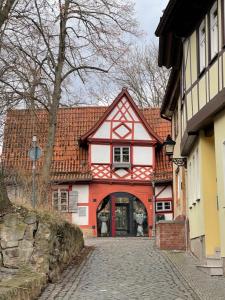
[{"x": 70, "y": 162}]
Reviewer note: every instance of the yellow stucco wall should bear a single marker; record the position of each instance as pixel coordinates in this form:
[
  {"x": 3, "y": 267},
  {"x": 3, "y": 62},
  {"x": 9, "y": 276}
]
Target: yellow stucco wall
[
  {"x": 219, "y": 128},
  {"x": 209, "y": 194},
  {"x": 196, "y": 212},
  {"x": 204, "y": 215}
]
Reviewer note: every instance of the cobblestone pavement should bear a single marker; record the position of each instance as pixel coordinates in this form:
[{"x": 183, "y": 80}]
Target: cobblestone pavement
[
  {"x": 122, "y": 268},
  {"x": 206, "y": 286}
]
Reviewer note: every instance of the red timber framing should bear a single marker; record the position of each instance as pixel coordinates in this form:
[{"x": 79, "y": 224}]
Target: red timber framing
[
  {"x": 121, "y": 121},
  {"x": 160, "y": 198},
  {"x": 122, "y": 116}
]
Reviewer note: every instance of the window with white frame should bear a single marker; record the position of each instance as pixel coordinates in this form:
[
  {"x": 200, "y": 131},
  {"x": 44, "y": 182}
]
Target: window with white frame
[
  {"x": 193, "y": 178},
  {"x": 163, "y": 206},
  {"x": 197, "y": 174},
  {"x": 223, "y": 153},
  {"x": 60, "y": 200},
  {"x": 82, "y": 212},
  {"x": 121, "y": 154},
  {"x": 214, "y": 30},
  {"x": 202, "y": 46}
]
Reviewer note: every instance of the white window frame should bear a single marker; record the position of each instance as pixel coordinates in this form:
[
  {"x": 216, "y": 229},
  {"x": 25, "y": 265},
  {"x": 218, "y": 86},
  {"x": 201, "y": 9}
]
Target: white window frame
[
  {"x": 59, "y": 196},
  {"x": 223, "y": 154},
  {"x": 197, "y": 174},
  {"x": 163, "y": 206},
  {"x": 202, "y": 46},
  {"x": 194, "y": 178},
  {"x": 214, "y": 34},
  {"x": 189, "y": 182},
  {"x": 121, "y": 155}
]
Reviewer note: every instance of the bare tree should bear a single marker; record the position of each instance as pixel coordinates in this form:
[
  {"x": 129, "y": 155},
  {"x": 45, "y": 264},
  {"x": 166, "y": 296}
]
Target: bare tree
[
  {"x": 6, "y": 8},
  {"x": 138, "y": 70},
  {"x": 141, "y": 74},
  {"x": 56, "y": 41}
]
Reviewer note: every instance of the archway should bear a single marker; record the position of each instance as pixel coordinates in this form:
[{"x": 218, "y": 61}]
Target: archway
[{"x": 119, "y": 213}]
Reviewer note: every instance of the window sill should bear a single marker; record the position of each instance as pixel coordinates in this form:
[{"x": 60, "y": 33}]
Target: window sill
[{"x": 121, "y": 165}]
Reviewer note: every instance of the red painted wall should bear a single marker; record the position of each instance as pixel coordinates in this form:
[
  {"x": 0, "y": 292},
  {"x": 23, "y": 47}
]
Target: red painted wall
[{"x": 98, "y": 191}]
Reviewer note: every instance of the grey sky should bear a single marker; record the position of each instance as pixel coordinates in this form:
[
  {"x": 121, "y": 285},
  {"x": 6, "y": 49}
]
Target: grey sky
[{"x": 148, "y": 15}]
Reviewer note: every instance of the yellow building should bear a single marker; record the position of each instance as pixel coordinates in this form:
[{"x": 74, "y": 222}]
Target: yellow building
[{"x": 192, "y": 43}]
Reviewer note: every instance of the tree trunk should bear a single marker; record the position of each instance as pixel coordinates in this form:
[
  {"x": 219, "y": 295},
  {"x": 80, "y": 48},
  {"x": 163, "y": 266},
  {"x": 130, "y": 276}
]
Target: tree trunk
[
  {"x": 4, "y": 12},
  {"x": 46, "y": 170},
  {"x": 4, "y": 199}
]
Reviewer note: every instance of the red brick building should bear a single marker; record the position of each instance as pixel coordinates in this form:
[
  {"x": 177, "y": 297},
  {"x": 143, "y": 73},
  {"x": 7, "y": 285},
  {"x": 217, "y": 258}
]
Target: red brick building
[{"x": 106, "y": 160}]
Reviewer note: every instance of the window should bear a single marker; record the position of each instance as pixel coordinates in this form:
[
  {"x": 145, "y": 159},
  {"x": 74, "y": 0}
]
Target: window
[
  {"x": 121, "y": 154},
  {"x": 82, "y": 212},
  {"x": 213, "y": 30},
  {"x": 193, "y": 178},
  {"x": 163, "y": 206},
  {"x": 175, "y": 123},
  {"x": 189, "y": 183},
  {"x": 223, "y": 21},
  {"x": 183, "y": 86},
  {"x": 223, "y": 154},
  {"x": 60, "y": 200},
  {"x": 202, "y": 46}
]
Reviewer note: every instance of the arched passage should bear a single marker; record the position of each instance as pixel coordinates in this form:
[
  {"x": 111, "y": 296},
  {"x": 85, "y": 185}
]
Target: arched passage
[{"x": 121, "y": 214}]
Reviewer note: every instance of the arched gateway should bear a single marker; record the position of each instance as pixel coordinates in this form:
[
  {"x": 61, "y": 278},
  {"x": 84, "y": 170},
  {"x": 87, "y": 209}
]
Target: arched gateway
[{"x": 122, "y": 214}]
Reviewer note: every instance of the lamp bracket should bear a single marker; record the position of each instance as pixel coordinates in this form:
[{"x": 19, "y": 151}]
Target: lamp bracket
[{"x": 180, "y": 161}]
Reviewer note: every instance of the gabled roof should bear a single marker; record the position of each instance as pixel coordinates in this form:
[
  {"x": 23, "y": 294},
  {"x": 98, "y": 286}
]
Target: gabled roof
[
  {"x": 70, "y": 162},
  {"x": 123, "y": 93}
]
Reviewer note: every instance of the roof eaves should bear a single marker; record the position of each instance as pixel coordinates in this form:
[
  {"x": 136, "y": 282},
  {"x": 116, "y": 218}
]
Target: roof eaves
[{"x": 168, "y": 97}]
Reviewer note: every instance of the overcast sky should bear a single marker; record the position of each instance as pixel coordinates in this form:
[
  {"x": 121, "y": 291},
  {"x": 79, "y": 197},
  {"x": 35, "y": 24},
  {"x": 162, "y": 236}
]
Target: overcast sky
[{"x": 148, "y": 15}]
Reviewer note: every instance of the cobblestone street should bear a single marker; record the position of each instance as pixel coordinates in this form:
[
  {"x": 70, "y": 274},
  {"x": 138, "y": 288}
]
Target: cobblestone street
[{"x": 122, "y": 268}]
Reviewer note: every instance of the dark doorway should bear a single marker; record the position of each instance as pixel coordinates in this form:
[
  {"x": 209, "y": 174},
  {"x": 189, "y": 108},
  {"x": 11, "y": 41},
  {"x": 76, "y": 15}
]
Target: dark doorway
[{"x": 116, "y": 215}]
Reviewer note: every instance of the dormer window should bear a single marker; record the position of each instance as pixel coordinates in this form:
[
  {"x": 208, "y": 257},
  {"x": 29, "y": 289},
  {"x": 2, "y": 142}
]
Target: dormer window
[{"x": 121, "y": 156}]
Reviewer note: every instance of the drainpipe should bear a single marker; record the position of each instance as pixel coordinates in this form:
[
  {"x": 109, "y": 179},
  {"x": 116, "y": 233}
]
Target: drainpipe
[
  {"x": 186, "y": 212},
  {"x": 153, "y": 207}
]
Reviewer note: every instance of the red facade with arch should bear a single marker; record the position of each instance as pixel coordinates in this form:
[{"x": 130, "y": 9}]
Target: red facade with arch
[{"x": 99, "y": 191}]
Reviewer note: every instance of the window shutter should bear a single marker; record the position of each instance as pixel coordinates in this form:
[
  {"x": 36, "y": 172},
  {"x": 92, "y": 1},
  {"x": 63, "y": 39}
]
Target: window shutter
[{"x": 73, "y": 200}]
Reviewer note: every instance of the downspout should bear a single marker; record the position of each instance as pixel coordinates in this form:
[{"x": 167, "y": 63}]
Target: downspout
[{"x": 153, "y": 207}]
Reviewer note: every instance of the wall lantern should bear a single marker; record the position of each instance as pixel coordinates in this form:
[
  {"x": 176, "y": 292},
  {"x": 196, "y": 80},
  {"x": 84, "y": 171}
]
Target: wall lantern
[{"x": 169, "y": 148}]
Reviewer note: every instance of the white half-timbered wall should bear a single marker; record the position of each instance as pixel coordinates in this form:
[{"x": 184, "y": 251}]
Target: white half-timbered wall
[
  {"x": 163, "y": 201},
  {"x": 122, "y": 124}
]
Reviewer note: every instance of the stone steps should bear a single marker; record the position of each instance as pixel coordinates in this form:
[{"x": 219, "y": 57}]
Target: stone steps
[{"x": 213, "y": 266}]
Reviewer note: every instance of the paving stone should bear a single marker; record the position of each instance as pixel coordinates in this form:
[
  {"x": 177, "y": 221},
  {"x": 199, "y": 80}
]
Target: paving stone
[{"x": 122, "y": 268}]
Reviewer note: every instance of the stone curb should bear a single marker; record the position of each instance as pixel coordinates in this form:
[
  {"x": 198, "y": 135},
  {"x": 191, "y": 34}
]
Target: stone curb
[{"x": 78, "y": 275}]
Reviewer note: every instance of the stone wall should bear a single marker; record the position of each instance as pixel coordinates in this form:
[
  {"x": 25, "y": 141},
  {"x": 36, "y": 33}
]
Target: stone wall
[
  {"x": 170, "y": 235},
  {"x": 36, "y": 243}
]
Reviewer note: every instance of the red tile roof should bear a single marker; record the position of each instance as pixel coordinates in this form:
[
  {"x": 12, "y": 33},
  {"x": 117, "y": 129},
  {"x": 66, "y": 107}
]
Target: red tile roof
[{"x": 70, "y": 161}]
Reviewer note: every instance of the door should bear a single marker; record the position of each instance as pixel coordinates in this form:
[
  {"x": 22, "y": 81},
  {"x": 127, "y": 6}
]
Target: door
[{"x": 122, "y": 219}]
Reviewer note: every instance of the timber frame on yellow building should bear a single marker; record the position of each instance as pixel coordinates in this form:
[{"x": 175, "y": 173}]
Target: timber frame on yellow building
[{"x": 192, "y": 43}]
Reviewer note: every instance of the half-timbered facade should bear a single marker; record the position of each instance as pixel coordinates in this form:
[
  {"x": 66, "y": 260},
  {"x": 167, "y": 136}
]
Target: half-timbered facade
[
  {"x": 108, "y": 163},
  {"x": 192, "y": 43}
]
